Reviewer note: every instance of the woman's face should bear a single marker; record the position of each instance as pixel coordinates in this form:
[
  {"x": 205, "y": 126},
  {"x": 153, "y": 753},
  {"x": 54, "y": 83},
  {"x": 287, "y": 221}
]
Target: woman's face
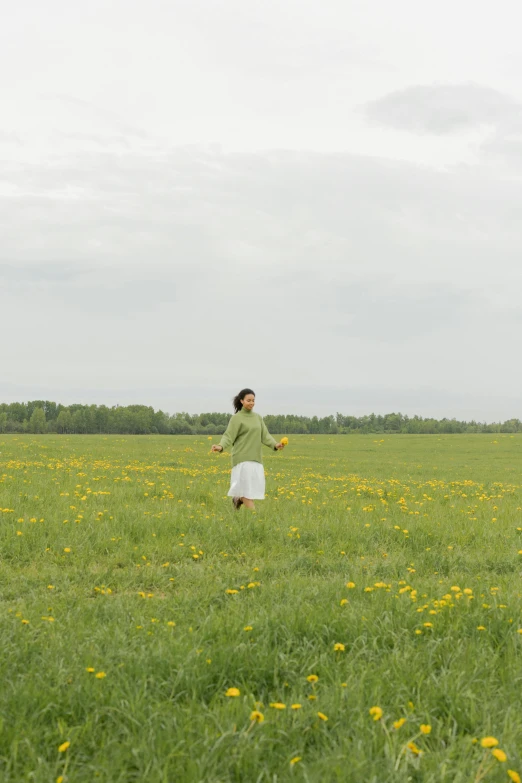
[{"x": 248, "y": 402}]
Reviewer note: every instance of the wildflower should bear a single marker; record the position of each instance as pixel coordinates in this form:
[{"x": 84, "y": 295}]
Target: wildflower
[
  {"x": 425, "y": 728},
  {"x": 344, "y": 601},
  {"x": 247, "y": 628},
  {"x": 59, "y": 779},
  {"x": 100, "y": 675},
  {"x": 488, "y": 742},
  {"x": 398, "y": 723},
  {"x": 322, "y": 716},
  {"x": 89, "y": 669},
  {"x": 350, "y": 585},
  {"x": 233, "y": 692},
  {"x": 376, "y": 713},
  {"x": 499, "y": 754},
  {"x": 414, "y": 749},
  {"x": 312, "y": 697},
  {"x": 171, "y": 623},
  {"x": 63, "y": 747},
  {"x": 296, "y": 706},
  {"x": 231, "y": 592},
  {"x": 284, "y": 441},
  {"x": 25, "y": 622},
  {"x": 295, "y": 760},
  {"x": 312, "y": 678},
  {"x": 67, "y": 549},
  {"x": 480, "y": 628},
  {"x": 428, "y": 625},
  {"x": 277, "y": 705},
  {"x": 257, "y": 716},
  {"x": 339, "y": 647},
  {"x": 514, "y": 776}
]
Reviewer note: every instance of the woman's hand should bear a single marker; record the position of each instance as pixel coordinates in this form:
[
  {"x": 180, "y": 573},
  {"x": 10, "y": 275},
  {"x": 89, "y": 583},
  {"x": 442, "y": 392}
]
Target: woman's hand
[
  {"x": 217, "y": 448},
  {"x": 279, "y": 446}
]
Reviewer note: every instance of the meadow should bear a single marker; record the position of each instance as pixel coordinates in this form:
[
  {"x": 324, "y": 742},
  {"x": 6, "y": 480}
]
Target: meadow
[{"x": 363, "y": 625}]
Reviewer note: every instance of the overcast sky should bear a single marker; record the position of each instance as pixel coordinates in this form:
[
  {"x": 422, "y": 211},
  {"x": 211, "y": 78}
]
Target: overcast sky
[{"x": 321, "y": 199}]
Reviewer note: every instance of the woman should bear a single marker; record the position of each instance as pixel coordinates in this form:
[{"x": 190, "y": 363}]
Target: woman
[{"x": 246, "y": 432}]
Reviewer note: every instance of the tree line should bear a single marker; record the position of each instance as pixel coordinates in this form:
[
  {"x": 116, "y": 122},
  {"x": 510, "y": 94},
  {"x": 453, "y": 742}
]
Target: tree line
[{"x": 43, "y": 416}]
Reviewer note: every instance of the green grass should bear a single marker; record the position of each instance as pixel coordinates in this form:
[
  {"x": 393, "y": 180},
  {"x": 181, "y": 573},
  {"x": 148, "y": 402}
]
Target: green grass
[{"x": 134, "y": 512}]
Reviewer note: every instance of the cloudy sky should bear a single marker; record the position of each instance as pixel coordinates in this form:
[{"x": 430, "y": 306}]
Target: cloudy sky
[{"x": 321, "y": 199}]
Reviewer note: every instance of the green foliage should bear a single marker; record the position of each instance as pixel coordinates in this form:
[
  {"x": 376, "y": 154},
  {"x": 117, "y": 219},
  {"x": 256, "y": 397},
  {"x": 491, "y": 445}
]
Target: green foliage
[
  {"x": 144, "y": 420},
  {"x": 37, "y": 423},
  {"x": 117, "y": 555}
]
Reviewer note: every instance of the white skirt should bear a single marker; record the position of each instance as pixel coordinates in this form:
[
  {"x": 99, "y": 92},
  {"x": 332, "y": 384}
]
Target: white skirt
[{"x": 248, "y": 481}]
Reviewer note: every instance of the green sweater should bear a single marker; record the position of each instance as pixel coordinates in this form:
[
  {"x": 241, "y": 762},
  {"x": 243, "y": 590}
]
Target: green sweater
[{"x": 246, "y": 432}]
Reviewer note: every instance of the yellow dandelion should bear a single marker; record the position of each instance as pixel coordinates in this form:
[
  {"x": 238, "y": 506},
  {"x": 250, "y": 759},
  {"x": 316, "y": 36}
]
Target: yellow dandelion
[
  {"x": 233, "y": 692},
  {"x": 322, "y": 716},
  {"x": 339, "y": 647},
  {"x": 312, "y": 678},
  {"x": 296, "y": 706},
  {"x": 514, "y": 776},
  {"x": 295, "y": 760},
  {"x": 425, "y": 728},
  {"x": 277, "y": 705},
  {"x": 63, "y": 747},
  {"x": 350, "y": 585},
  {"x": 284, "y": 441},
  {"x": 89, "y": 669},
  {"x": 499, "y": 754},
  {"x": 100, "y": 675},
  {"x": 414, "y": 749},
  {"x": 247, "y": 628},
  {"x": 488, "y": 742},
  {"x": 398, "y": 723},
  {"x": 376, "y": 713},
  {"x": 67, "y": 549},
  {"x": 257, "y": 716}
]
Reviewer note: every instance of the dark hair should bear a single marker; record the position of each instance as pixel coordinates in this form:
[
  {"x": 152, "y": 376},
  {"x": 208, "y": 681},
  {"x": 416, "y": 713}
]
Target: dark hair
[{"x": 241, "y": 396}]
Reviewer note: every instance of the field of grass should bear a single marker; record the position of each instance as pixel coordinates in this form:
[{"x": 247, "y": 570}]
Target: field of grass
[{"x": 150, "y": 633}]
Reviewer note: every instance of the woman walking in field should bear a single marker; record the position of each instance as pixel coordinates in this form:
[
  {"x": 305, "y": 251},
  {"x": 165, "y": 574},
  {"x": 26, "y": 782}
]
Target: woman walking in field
[{"x": 246, "y": 433}]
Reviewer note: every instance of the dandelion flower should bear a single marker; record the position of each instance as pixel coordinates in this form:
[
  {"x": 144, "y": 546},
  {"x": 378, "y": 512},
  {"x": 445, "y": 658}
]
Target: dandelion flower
[
  {"x": 233, "y": 692},
  {"x": 425, "y": 728},
  {"x": 284, "y": 441},
  {"x": 322, "y": 716},
  {"x": 350, "y": 585},
  {"x": 312, "y": 678},
  {"x": 247, "y": 628},
  {"x": 398, "y": 723},
  {"x": 376, "y": 713},
  {"x": 63, "y": 747},
  {"x": 339, "y": 647},
  {"x": 499, "y": 754},
  {"x": 277, "y": 705},
  {"x": 296, "y": 706},
  {"x": 89, "y": 669},
  {"x": 257, "y": 716},
  {"x": 100, "y": 675},
  {"x": 414, "y": 749},
  {"x": 295, "y": 760},
  {"x": 67, "y": 549},
  {"x": 488, "y": 742},
  {"x": 514, "y": 776}
]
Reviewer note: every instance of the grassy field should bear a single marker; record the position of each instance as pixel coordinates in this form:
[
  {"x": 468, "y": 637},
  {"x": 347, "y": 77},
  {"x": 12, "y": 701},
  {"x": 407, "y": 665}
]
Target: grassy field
[{"x": 150, "y": 633}]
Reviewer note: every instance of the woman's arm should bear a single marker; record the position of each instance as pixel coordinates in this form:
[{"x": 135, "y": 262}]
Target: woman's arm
[
  {"x": 230, "y": 434},
  {"x": 267, "y": 439}
]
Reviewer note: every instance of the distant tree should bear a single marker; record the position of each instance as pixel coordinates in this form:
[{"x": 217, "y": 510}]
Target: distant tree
[
  {"x": 64, "y": 422},
  {"x": 37, "y": 423}
]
